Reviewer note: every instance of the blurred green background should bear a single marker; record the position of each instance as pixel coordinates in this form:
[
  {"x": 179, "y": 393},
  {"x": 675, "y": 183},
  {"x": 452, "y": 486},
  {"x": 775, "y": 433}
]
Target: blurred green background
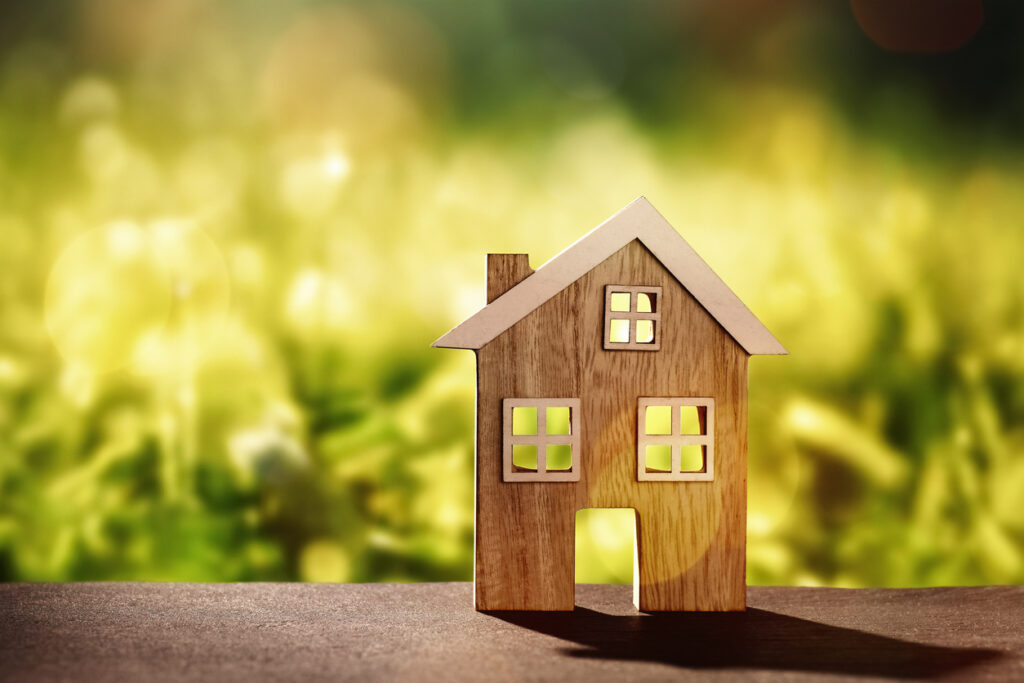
[{"x": 230, "y": 230}]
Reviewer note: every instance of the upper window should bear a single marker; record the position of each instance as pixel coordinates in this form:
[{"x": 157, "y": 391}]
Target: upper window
[
  {"x": 541, "y": 439},
  {"x": 676, "y": 439},
  {"x": 632, "y": 318}
]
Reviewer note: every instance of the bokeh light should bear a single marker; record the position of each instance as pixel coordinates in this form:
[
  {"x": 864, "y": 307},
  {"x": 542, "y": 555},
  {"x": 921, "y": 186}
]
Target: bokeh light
[{"x": 104, "y": 294}]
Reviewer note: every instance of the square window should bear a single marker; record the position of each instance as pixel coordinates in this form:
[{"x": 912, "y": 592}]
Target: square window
[
  {"x": 676, "y": 439},
  {"x": 691, "y": 458},
  {"x": 524, "y": 421},
  {"x": 620, "y": 302},
  {"x": 658, "y": 420},
  {"x": 645, "y": 302},
  {"x": 644, "y": 331},
  {"x": 692, "y": 419},
  {"x": 540, "y": 440},
  {"x": 632, "y": 318},
  {"x": 658, "y": 458},
  {"x": 559, "y": 456},
  {"x": 618, "y": 332},
  {"x": 557, "y": 420},
  {"x": 524, "y": 457}
]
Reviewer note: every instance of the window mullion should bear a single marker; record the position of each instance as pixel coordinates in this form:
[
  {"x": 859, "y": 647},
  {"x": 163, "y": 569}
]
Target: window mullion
[
  {"x": 542, "y": 440},
  {"x": 677, "y": 428}
]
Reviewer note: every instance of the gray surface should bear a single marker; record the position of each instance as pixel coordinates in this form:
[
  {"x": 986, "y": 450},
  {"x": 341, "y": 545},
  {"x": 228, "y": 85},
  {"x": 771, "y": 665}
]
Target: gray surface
[{"x": 252, "y": 632}]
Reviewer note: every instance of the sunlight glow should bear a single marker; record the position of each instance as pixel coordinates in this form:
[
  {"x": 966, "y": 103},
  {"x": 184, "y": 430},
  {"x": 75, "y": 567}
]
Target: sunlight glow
[{"x": 337, "y": 166}]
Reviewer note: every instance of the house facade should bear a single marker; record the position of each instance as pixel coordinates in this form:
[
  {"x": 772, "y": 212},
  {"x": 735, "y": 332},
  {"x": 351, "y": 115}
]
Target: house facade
[{"x": 615, "y": 376}]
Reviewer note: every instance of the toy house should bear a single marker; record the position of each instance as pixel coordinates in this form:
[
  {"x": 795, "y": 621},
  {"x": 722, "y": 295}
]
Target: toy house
[{"x": 613, "y": 376}]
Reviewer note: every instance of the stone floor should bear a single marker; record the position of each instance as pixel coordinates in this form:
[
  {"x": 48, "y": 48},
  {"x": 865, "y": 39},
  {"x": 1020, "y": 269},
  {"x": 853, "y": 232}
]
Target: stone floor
[{"x": 364, "y": 632}]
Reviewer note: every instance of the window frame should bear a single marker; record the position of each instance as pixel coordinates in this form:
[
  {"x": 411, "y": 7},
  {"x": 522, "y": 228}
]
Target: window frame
[
  {"x": 541, "y": 439},
  {"x": 633, "y": 316},
  {"x": 676, "y": 438}
]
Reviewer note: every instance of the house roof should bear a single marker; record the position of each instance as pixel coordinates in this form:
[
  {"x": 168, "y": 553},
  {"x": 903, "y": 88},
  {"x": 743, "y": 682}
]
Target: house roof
[{"x": 637, "y": 221}]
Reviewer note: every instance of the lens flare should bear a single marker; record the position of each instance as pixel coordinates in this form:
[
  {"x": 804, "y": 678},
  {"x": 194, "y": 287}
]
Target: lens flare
[{"x": 919, "y": 25}]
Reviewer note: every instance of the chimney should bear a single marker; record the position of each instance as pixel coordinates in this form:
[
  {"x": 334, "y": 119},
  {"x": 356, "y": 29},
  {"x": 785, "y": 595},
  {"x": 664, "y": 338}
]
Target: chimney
[{"x": 505, "y": 271}]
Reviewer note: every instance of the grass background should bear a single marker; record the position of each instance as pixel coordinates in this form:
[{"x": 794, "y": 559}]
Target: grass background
[{"x": 229, "y": 232}]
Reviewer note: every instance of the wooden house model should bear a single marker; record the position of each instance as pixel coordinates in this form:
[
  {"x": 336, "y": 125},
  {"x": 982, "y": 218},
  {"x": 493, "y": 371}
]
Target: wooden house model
[{"x": 613, "y": 376}]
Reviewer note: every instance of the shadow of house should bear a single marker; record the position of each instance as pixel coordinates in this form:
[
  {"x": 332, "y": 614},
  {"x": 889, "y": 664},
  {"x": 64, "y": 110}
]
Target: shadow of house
[{"x": 754, "y": 639}]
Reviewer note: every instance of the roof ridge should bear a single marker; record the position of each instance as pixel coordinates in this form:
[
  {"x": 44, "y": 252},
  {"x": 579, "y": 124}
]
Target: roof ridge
[{"x": 637, "y": 220}]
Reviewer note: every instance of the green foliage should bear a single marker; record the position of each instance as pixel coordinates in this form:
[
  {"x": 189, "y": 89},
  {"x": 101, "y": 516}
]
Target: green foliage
[{"x": 228, "y": 237}]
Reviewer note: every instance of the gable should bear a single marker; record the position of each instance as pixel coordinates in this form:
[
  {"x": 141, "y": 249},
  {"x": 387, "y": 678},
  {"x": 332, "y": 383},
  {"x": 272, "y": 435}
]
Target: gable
[
  {"x": 560, "y": 341},
  {"x": 638, "y": 221}
]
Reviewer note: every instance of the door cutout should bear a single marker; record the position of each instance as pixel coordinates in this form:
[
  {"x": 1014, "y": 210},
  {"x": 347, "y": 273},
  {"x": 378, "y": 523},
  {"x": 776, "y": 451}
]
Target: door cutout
[{"x": 607, "y": 547}]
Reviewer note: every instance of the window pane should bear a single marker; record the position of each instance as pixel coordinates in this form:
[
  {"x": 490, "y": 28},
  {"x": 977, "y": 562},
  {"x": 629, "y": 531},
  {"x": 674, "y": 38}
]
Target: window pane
[
  {"x": 559, "y": 457},
  {"x": 524, "y": 421},
  {"x": 691, "y": 458},
  {"x": 644, "y": 331},
  {"x": 644, "y": 303},
  {"x": 691, "y": 422},
  {"x": 524, "y": 456},
  {"x": 658, "y": 420},
  {"x": 558, "y": 420},
  {"x": 619, "y": 332},
  {"x": 658, "y": 459},
  {"x": 620, "y": 301}
]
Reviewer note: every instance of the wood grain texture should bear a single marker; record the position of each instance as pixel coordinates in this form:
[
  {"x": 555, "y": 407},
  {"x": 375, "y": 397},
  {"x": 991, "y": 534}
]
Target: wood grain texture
[
  {"x": 505, "y": 271},
  {"x": 692, "y": 535}
]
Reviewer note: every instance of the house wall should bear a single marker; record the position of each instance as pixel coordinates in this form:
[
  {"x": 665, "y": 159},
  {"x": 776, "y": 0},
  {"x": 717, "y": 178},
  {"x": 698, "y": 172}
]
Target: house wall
[{"x": 692, "y": 535}]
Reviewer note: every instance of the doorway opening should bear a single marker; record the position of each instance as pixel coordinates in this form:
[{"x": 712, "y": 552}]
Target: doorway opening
[{"x": 606, "y": 547}]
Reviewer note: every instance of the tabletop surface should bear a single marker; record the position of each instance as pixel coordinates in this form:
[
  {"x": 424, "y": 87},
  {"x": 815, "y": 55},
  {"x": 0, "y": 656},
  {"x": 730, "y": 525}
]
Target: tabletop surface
[{"x": 253, "y": 632}]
